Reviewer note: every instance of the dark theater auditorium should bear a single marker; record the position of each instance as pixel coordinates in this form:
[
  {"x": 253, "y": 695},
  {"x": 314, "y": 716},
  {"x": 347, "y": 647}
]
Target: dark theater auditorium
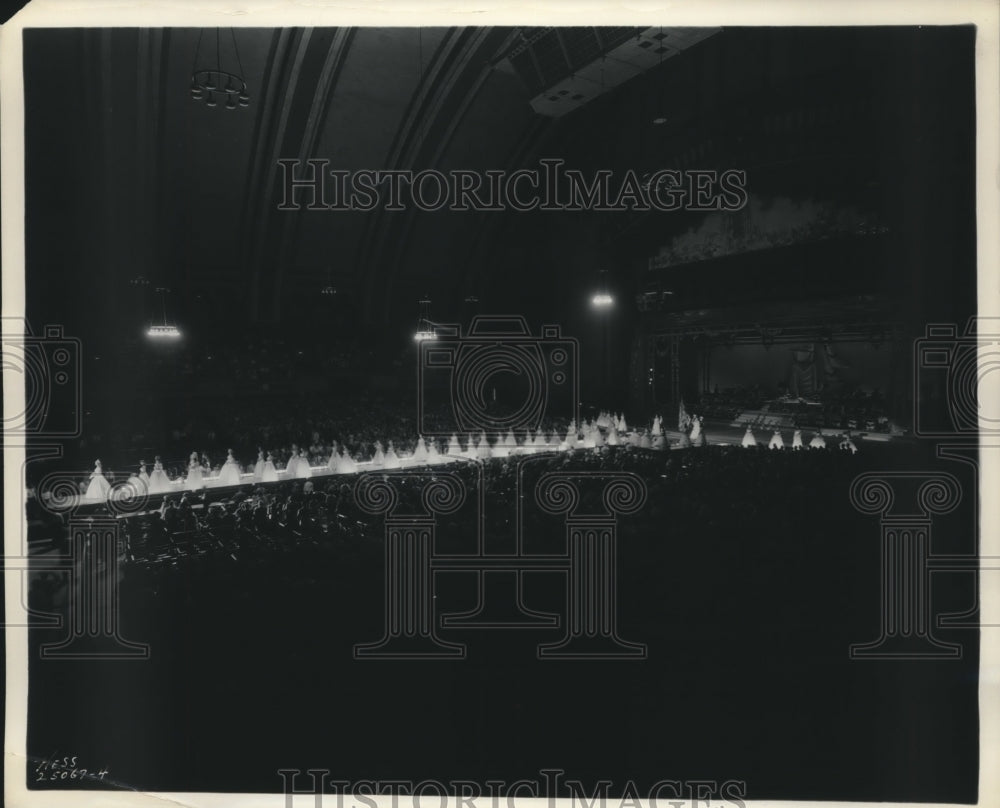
[{"x": 543, "y": 411}]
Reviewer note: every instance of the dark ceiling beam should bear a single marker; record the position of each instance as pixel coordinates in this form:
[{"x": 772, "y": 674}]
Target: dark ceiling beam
[
  {"x": 565, "y": 52},
  {"x": 284, "y": 67},
  {"x": 403, "y": 154},
  {"x": 160, "y": 59},
  {"x": 442, "y": 108},
  {"x": 319, "y": 109}
]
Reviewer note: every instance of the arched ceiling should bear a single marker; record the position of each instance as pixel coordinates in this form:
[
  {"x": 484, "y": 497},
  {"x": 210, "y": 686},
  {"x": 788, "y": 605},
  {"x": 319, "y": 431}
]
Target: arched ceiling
[
  {"x": 129, "y": 176},
  {"x": 187, "y": 195}
]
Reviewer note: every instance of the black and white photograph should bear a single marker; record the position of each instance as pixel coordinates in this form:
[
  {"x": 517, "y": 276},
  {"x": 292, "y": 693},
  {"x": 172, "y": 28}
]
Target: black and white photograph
[{"x": 439, "y": 408}]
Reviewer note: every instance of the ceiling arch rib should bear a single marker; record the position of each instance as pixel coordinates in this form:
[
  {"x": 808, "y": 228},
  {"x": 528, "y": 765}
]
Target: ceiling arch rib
[
  {"x": 399, "y": 157},
  {"x": 441, "y": 110},
  {"x": 333, "y": 64},
  {"x": 283, "y": 68}
]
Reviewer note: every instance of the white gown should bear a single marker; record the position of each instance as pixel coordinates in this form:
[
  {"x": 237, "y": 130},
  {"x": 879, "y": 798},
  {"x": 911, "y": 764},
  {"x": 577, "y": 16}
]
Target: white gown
[
  {"x": 258, "y": 468},
  {"x": 195, "y": 477},
  {"x": 776, "y": 441},
  {"x": 137, "y": 487},
  {"x": 99, "y": 486},
  {"x": 391, "y": 460},
  {"x": 230, "y": 474},
  {"x": 348, "y": 465},
  {"x": 696, "y": 437},
  {"x": 817, "y": 442},
  {"x": 159, "y": 482},
  {"x": 269, "y": 474},
  {"x": 797, "y": 439},
  {"x": 303, "y": 470},
  {"x": 749, "y": 440},
  {"x": 420, "y": 453},
  {"x": 483, "y": 450}
]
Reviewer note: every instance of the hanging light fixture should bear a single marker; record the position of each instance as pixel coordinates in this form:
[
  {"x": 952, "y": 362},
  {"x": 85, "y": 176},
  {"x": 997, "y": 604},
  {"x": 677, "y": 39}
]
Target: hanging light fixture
[
  {"x": 210, "y": 83},
  {"x": 603, "y": 298},
  {"x": 660, "y": 118},
  {"x": 329, "y": 289},
  {"x": 425, "y": 328},
  {"x": 163, "y": 330}
]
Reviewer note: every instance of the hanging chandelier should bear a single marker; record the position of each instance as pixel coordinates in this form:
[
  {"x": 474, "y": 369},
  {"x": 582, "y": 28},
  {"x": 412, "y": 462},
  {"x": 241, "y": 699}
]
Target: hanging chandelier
[
  {"x": 163, "y": 329},
  {"x": 425, "y": 328},
  {"x": 214, "y": 84}
]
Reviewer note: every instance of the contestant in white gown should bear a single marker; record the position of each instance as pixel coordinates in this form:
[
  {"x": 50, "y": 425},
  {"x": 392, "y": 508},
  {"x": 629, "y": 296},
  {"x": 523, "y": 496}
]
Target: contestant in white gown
[
  {"x": 99, "y": 486},
  {"x": 433, "y": 455},
  {"x": 697, "y": 438},
  {"x": 847, "y": 444},
  {"x": 776, "y": 441},
  {"x": 159, "y": 482},
  {"x": 378, "y": 459},
  {"x": 613, "y": 435},
  {"x": 139, "y": 483},
  {"x": 269, "y": 474},
  {"x": 817, "y": 442},
  {"x": 420, "y": 453},
  {"x": 303, "y": 469},
  {"x": 797, "y": 439},
  {"x": 748, "y": 439},
  {"x": 333, "y": 462},
  {"x": 292, "y": 466},
  {"x": 195, "y": 476},
  {"x": 258, "y": 467},
  {"x": 230, "y": 474},
  {"x": 483, "y": 450},
  {"x": 391, "y": 458},
  {"x": 347, "y": 465}
]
